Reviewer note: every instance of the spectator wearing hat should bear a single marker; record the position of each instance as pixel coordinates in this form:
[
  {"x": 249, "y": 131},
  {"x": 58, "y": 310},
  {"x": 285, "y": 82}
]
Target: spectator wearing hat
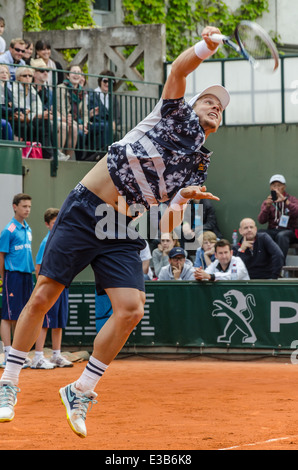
[
  {"x": 179, "y": 268},
  {"x": 280, "y": 212}
]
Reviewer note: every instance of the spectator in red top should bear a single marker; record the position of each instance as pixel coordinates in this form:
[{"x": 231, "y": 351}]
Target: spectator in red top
[{"x": 280, "y": 211}]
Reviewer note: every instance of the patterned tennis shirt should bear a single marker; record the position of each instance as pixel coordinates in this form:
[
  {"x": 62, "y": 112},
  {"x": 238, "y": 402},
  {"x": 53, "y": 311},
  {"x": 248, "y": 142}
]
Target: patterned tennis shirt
[{"x": 161, "y": 155}]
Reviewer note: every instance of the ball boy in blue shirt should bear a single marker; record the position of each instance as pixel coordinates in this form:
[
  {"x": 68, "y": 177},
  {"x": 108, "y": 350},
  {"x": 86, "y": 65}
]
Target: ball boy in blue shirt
[{"x": 16, "y": 267}]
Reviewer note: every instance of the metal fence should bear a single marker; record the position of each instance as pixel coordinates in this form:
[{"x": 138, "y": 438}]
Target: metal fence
[
  {"x": 256, "y": 98},
  {"x": 77, "y": 122},
  {"x": 83, "y": 123}
]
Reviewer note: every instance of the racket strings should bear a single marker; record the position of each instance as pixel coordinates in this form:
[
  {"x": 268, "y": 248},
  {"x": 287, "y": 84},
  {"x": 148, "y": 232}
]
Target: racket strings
[
  {"x": 258, "y": 46},
  {"x": 255, "y": 46}
]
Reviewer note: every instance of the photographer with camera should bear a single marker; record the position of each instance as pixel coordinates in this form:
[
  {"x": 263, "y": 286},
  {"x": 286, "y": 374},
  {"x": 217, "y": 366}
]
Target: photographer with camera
[{"x": 280, "y": 211}]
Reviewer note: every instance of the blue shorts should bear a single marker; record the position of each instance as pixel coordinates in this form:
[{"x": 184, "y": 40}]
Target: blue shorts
[
  {"x": 57, "y": 315},
  {"x": 89, "y": 231},
  {"x": 17, "y": 289}
]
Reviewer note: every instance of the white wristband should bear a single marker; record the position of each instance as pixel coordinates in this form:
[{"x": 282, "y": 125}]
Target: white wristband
[
  {"x": 202, "y": 51},
  {"x": 179, "y": 203}
]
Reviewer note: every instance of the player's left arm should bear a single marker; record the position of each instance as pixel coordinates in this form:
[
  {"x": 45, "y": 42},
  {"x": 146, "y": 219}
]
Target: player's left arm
[{"x": 173, "y": 215}]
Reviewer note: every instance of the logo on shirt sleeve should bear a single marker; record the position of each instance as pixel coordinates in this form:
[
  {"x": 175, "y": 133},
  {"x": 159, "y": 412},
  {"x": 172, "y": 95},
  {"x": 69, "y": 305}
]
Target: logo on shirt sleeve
[{"x": 12, "y": 227}]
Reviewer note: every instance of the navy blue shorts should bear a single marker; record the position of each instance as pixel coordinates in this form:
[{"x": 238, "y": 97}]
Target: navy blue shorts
[
  {"x": 17, "y": 289},
  {"x": 57, "y": 316},
  {"x": 89, "y": 231}
]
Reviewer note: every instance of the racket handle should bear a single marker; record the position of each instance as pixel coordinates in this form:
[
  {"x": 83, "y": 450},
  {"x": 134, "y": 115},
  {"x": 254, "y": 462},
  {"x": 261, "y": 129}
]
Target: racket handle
[{"x": 218, "y": 38}]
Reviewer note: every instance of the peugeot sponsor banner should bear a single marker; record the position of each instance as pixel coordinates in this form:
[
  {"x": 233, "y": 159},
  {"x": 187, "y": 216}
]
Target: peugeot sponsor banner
[{"x": 247, "y": 314}]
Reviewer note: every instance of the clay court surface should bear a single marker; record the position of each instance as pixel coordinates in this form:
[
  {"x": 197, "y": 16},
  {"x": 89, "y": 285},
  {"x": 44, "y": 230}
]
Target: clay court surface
[{"x": 147, "y": 404}]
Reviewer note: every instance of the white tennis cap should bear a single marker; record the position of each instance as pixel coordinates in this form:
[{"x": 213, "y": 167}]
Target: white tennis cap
[
  {"x": 217, "y": 90},
  {"x": 279, "y": 178}
]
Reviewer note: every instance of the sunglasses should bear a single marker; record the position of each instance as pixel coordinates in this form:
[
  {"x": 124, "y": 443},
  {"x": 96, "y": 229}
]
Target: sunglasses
[
  {"x": 27, "y": 75},
  {"x": 19, "y": 50},
  {"x": 106, "y": 80}
]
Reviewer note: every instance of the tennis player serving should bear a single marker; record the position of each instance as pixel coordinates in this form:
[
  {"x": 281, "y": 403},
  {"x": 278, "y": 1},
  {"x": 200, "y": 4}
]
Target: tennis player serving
[{"x": 161, "y": 159}]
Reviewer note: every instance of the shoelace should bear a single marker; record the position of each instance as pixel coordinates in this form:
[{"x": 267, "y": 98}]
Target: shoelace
[
  {"x": 82, "y": 403},
  {"x": 8, "y": 395}
]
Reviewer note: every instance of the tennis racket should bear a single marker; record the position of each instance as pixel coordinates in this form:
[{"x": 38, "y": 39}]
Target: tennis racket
[{"x": 254, "y": 44}]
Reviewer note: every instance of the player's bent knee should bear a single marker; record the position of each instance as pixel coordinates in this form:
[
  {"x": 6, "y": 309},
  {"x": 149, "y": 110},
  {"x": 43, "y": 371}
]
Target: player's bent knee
[{"x": 131, "y": 316}]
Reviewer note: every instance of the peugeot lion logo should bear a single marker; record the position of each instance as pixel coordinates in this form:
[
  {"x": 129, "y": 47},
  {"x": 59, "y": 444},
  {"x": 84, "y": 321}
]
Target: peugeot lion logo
[{"x": 238, "y": 311}]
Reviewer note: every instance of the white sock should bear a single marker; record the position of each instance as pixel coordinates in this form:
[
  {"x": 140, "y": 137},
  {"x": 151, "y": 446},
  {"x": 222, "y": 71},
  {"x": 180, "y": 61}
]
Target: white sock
[
  {"x": 14, "y": 364},
  {"x": 38, "y": 355},
  {"x": 6, "y": 350},
  {"x": 56, "y": 352},
  {"x": 91, "y": 375}
]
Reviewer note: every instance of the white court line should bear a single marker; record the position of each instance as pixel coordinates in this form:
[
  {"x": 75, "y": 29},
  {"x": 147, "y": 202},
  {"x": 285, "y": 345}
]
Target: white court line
[{"x": 261, "y": 442}]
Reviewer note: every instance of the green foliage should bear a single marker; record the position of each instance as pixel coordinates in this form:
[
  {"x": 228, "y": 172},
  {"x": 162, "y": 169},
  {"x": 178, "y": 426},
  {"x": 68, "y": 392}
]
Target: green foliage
[
  {"x": 32, "y": 20},
  {"x": 185, "y": 19},
  {"x": 62, "y": 14},
  {"x": 57, "y": 14}
]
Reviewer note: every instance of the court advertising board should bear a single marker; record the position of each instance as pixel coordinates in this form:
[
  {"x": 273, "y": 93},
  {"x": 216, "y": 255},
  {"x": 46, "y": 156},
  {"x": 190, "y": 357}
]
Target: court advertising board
[{"x": 239, "y": 314}]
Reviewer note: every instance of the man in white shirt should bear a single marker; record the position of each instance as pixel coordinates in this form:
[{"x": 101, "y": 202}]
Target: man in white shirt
[{"x": 226, "y": 267}]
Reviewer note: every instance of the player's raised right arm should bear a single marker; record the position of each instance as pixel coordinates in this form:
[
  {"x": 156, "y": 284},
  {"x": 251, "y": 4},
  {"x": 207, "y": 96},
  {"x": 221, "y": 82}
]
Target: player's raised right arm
[{"x": 187, "y": 62}]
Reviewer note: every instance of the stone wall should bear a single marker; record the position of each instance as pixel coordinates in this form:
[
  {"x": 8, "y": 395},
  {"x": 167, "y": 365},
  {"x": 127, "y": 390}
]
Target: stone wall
[{"x": 102, "y": 48}]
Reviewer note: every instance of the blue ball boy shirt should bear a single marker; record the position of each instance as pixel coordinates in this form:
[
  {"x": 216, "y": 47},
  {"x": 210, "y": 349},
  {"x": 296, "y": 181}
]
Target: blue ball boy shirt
[
  {"x": 42, "y": 246},
  {"x": 15, "y": 242},
  {"x": 162, "y": 154}
]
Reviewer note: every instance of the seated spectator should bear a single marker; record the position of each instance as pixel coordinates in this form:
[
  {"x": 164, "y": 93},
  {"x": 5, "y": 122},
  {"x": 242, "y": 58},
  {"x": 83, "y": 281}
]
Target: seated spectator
[
  {"x": 45, "y": 94},
  {"x": 261, "y": 255},
  {"x": 2, "y": 40},
  {"x": 146, "y": 257},
  {"x": 179, "y": 268},
  {"x": 221, "y": 268},
  {"x": 160, "y": 254},
  {"x": 43, "y": 51},
  {"x": 209, "y": 217},
  {"x": 203, "y": 219},
  {"x": 6, "y": 104},
  {"x": 99, "y": 107},
  {"x": 72, "y": 105},
  {"x": 280, "y": 211},
  {"x": 29, "y": 120},
  {"x": 14, "y": 55},
  {"x": 29, "y": 47},
  {"x": 206, "y": 254}
]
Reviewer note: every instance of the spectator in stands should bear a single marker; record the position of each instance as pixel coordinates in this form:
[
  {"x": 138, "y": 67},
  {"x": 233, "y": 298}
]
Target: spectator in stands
[
  {"x": 221, "y": 268},
  {"x": 71, "y": 103},
  {"x": 43, "y": 50},
  {"x": 2, "y": 40},
  {"x": 160, "y": 255},
  {"x": 30, "y": 121},
  {"x": 179, "y": 268},
  {"x": 45, "y": 94},
  {"x": 6, "y": 104},
  {"x": 14, "y": 55},
  {"x": 205, "y": 255},
  {"x": 261, "y": 255},
  {"x": 29, "y": 47},
  {"x": 280, "y": 211},
  {"x": 203, "y": 218},
  {"x": 99, "y": 106}
]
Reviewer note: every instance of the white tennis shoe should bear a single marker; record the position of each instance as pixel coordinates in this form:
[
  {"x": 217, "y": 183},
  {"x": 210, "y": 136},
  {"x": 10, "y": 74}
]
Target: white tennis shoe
[
  {"x": 8, "y": 400},
  {"x": 76, "y": 404}
]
